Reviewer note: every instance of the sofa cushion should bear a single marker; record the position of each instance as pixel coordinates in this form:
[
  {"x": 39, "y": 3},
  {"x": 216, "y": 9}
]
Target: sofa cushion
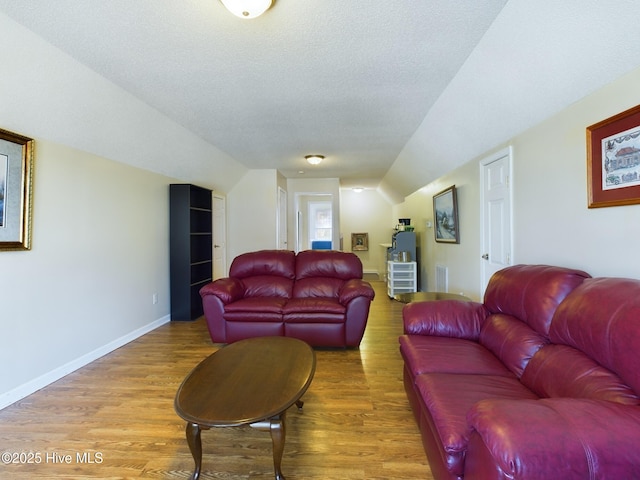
[
  {"x": 448, "y": 398},
  {"x": 423, "y": 354},
  {"x": 559, "y": 438},
  {"x": 562, "y": 371},
  {"x": 602, "y": 318},
  {"x": 531, "y": 293},
  {"x": 511, "y": 340}
]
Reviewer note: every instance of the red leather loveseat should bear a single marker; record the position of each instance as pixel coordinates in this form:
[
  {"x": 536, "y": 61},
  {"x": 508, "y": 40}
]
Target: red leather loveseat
[
  {"x": 541, "y": 381},
  {"x": 316, "y": 296}
]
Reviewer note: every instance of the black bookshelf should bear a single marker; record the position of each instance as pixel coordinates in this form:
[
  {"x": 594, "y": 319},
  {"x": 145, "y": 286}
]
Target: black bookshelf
[{"x": 190, "y": 247}]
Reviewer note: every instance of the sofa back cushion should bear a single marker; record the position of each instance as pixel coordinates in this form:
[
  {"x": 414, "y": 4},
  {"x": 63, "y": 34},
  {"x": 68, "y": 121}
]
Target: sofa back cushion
[
  {"x": 322, "y": 273},
  {"x": 601, "y": 318},
  {"x": 265, "y": 273},
  {"x": 563, "y": 371},
  {"x": 511, "y": 340},
  {"x": 531, "y": 293}
]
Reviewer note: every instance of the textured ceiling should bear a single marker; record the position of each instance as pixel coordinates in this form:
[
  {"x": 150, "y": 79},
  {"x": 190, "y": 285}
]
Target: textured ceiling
[
  {"x": 349, "y": 80},
  {"x": 391, "y": 92}
]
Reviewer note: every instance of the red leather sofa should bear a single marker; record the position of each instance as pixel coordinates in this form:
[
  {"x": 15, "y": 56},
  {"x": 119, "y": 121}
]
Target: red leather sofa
[
  {"x": 541, "y": 381},
  {"x": 317, "y": 296}
]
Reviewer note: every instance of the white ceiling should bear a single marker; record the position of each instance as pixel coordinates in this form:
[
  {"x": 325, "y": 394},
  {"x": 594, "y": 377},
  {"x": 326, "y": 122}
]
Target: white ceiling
[{"x": 353, "y": 81}]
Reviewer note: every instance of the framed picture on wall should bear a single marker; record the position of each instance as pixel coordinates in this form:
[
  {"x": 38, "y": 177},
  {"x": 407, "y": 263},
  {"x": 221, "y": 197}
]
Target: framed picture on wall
[
  {"x": 359, "y": 242},
  {"x": 445, "y": 210},
  {"x": 16, "y": 170},
  {"x": 613, "y": 160}
]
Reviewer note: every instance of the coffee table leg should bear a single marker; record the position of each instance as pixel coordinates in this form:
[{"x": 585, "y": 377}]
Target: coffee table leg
[
  {"x": 278, "y": 433},
  {"x": 195, "y": 445}
]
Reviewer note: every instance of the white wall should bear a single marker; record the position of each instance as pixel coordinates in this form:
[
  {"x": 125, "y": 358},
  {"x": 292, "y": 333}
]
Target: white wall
[
  {"x": 367, "y": 212},
  {"x": 252, "y": 206},
  {"x": 100, "y": 227},
  {"x": 99, "y": 253},
  {"x": 552, "y": 224}
]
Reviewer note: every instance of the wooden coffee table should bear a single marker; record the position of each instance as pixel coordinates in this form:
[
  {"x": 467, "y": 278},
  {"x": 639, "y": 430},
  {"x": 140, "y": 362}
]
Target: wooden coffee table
[{"x": 250, "y": 382}]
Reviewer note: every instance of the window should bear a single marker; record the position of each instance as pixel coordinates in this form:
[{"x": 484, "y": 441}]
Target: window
[{"x": 320, "y": 221}]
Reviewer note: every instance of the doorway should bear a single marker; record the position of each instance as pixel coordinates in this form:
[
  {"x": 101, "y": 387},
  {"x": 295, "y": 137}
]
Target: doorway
[
  {"x": 496, "y": 219},
  {"x": 282, "y": 231},
  {"x": 219, "y": 237},
  {"x": 314, "y": 221}
]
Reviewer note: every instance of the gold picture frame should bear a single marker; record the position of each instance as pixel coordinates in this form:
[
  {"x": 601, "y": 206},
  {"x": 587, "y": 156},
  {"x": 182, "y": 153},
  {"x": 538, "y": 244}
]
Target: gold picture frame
[
  {"x": 445, "y": 211},
  {"x": 16, "y": 191},
  {"x": 359, "y": 242}
]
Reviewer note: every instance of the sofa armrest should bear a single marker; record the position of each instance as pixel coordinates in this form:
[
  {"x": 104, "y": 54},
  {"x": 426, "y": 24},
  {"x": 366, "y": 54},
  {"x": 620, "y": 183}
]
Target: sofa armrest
[
  {"x": 554, "y": 438},
  {"x": 228, "y": 289},
  {"x": 355, "y": 288},
  {"x": 444, "y": 318}
]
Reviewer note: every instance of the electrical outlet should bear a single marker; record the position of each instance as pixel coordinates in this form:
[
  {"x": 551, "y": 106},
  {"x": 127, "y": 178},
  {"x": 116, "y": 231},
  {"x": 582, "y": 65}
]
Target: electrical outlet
[{"x": 154, "y": 298}]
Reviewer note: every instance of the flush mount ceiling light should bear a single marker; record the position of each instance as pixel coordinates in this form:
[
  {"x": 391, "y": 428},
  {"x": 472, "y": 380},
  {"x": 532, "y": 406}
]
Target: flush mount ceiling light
[
  {"x": 247, "y": 8},
  {"x": 314, "y": 159}
]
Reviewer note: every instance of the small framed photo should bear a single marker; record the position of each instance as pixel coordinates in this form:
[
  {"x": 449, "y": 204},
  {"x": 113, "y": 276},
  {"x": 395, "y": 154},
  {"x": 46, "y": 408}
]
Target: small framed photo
[
  {"x": 613, "y": 160},
  {"x": 16, "y": 179},
  {"x": 359, "y": 242},
  {"x": 445, "y": 210}
]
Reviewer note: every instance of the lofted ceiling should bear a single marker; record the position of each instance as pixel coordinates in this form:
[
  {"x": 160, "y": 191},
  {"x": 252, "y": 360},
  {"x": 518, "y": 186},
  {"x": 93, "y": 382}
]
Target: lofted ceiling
[{"x": 353, "y": 81}]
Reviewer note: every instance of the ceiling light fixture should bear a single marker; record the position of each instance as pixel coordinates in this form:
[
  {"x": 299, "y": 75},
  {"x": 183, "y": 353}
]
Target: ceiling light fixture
[
  {"x": 314, "y": 159},
  {"x": 247, "y": 8},
  {"x": 358, "y": 189}
]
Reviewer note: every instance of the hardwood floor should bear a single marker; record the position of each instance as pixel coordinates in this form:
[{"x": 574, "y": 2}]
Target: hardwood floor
[{"x": 114, "y": 419}]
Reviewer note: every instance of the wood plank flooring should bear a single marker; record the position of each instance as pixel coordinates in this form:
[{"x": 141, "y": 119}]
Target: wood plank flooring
[{"x": 114, "y": 419}]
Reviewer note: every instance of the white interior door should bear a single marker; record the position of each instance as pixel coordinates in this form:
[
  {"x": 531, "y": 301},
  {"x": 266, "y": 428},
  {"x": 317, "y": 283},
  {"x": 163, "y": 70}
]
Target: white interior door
[
  {"x": 283, "y": 231},
  {"x": 219, "y": 237},
  {"x": 496, "y": 214}
]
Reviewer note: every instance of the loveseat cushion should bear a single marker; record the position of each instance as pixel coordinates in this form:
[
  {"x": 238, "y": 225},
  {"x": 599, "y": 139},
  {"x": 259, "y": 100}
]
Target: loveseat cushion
[
  {"x": 265, "y": 286},
  {"x": 327, "y": 263},
  {"x": 317, "y": 287},
  {"x": 255, "y": 309},
  {"x": 279, "y": 263},
  {"x": 448, "y": 398},
  {"x": 424, "y": 354},
  {"x": 313, "y": 310}
]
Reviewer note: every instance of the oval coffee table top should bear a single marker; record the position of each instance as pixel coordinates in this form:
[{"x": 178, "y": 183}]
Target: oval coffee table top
[{"x": 246, "y": 382}]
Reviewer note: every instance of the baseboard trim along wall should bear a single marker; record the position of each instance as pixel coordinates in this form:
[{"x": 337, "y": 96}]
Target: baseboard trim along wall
[{"x": 26, "y": 389}]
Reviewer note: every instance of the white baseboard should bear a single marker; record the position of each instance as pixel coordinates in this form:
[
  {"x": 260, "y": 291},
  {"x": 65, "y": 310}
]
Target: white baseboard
[
  {"x": 42, "y": 381},
  {"x": 371, "y": 272}
]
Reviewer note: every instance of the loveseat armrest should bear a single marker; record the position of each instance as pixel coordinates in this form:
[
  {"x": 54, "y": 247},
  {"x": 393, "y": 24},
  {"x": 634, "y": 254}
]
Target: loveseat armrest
[
  {"x": 553, "y": 438},
  {"x": 228, "y": 290},
  {"x": 444, "y": 318},
  {"x": 355, "y": 288}
]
